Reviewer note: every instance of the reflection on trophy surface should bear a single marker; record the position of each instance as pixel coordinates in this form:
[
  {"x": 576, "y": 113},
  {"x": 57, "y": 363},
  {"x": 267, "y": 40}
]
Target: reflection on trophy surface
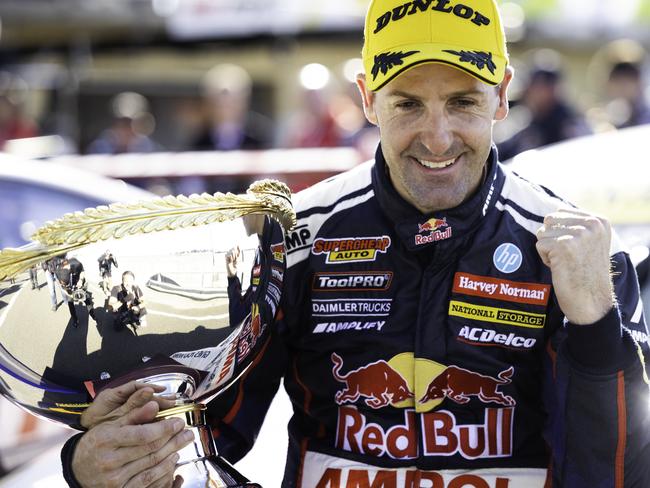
[{"x": 166, "y": 318}]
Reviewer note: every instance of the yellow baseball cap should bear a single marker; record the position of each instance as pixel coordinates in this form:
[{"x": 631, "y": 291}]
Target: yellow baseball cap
[{"x": 466, "y": 34}]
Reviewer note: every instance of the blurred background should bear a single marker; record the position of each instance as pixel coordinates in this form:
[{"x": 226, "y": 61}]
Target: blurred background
[{"x": 108, "y": 100}]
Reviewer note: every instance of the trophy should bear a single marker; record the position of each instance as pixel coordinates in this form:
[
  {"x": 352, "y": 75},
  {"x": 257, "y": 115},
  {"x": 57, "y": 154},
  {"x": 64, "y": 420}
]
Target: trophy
[{"x": 163, "y": 316}]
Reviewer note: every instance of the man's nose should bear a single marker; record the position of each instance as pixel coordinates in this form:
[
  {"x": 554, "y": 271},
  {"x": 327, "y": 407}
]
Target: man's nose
[{"x": 436, "y": 134}]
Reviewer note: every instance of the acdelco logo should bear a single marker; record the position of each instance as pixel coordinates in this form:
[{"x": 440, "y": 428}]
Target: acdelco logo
[
  {"x": 433, "y": 226},
  {"x": 510, "y": 291},
  {"x": 488, "y": 337},
  {"x": 351, "y": 250},
  {"x": 378, "y": 382},
  {"x": 368, "y": 281}
]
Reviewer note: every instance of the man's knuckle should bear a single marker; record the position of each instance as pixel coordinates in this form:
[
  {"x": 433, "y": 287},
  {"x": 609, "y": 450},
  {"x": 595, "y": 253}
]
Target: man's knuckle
[
  {"x": 147, "y": 477},
  {"x": 155, "y": 445},
  {"x": 155, "y": 458}
]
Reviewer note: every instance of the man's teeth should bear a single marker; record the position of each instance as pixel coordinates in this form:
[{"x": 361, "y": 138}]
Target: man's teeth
[{"x": 432, "y": 165}]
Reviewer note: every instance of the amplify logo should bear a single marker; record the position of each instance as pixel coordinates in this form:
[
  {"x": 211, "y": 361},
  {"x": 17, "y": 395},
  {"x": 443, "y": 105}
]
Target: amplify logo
[
  {"x": 433, "y": 228},
  {"x": 352, "y": 249}
]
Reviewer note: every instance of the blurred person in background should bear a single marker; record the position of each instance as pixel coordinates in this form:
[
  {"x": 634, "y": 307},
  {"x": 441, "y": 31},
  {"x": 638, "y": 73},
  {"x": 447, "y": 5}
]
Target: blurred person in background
[
  {"x": 230, "y": 123},
  {"x": 130, "y": 129},
  {"x": 14, "y": 124},
  {"x": 551, "y": 117},
  {"x": 315, "y": 124},
  {"x": 628, "y": 104}
]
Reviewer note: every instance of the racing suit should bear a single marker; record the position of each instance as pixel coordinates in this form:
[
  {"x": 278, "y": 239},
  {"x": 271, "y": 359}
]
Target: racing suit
[{"x": 430, "y": 351}]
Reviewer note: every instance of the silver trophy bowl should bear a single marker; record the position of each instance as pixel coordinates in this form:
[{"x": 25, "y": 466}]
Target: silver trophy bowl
[{"x": 162, "y": 316}]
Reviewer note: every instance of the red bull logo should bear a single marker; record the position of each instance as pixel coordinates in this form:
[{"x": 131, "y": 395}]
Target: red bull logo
[
  {"x": 433, "y": 434},
  {"x": 377, "y": 382},
  {"x": 460, "y": 384},
  {"x": 432, "y": 225},
  {"x": 434, "y": 228}
]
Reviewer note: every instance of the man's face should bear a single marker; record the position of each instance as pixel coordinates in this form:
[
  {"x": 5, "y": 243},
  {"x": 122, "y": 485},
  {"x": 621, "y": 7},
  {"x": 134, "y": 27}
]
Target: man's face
[
  {"x": 127, "y": 281},
  {"x": 436, "y": 131}
]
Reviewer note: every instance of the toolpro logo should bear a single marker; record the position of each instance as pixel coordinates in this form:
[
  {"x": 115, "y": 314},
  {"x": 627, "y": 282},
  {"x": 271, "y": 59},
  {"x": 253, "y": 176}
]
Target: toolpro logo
[
  {"x": 436, "y": 433},
  {"x": 366, "y": 281},
  {"x": 433, "y": 231},
  {"x": 352, "y": 249}
]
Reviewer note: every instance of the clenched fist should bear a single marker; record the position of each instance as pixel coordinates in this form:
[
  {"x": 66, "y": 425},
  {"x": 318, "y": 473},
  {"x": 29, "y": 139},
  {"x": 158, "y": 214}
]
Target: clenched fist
[{"x": 575, "y": 245}]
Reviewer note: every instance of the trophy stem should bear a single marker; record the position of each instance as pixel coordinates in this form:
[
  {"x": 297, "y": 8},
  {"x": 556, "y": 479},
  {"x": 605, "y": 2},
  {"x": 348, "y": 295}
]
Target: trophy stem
[{"x": 200, "y": 465}]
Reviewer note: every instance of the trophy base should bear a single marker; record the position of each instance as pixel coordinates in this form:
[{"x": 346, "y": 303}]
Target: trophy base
[{"x": 200, "y": 465}]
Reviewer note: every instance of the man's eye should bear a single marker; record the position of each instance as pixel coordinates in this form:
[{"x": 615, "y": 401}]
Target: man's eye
[
  {"x": 406, "y": 104},
  {"x": 463, "y": 102}
]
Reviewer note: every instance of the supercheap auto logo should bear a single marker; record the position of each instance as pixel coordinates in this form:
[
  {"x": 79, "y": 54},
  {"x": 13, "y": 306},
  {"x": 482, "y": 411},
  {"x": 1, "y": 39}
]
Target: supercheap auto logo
[
  {"x": 432, "y": 230},
  {"x": 351, "y": 249},
  {"x": 278, "y": 252}
]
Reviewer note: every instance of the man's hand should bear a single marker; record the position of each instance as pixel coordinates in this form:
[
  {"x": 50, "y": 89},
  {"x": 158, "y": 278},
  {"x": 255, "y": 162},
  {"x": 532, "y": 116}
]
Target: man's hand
[
  {"x": 575, "y": 245},
  {"x": 232, "y": 261},
  {"x": 124, "y": 446}
]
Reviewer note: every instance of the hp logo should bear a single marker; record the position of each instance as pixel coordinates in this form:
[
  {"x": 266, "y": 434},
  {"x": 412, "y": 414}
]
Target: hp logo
[{"x": 507, "y": 258}]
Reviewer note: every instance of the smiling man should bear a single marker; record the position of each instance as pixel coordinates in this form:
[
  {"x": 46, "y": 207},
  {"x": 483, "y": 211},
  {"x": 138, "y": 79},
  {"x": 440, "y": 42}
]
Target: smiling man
[{"x": 505, "y": 356}]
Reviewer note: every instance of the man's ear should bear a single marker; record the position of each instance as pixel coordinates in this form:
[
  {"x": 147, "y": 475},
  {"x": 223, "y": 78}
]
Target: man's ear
[
  {"x": 503, "y": 107},
  {"x": 368, "y": 99}
]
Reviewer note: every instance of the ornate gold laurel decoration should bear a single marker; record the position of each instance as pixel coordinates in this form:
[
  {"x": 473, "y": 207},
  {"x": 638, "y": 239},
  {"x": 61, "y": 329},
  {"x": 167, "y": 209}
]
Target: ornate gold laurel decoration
[{"x": 118, "y": 220}]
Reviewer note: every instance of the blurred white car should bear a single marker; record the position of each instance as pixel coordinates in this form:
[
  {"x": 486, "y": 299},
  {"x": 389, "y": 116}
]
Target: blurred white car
[
  {"x": 608, "y": 174},
  {"x": 33, "y": 192}
]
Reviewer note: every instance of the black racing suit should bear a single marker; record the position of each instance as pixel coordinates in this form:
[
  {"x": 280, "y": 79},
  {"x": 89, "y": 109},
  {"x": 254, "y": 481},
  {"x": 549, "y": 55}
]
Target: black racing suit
[{"x": 430, "y": 350}]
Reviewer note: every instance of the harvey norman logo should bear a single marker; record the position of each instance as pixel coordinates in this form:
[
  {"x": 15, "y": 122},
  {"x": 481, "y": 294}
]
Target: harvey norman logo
[
  {"x": 497, "y": 315},
  {"x": 351, "y": 249},
  {"x": 510, "y": 291}
]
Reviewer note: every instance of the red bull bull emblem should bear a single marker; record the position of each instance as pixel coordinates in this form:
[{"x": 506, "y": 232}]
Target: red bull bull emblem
[
  {"x": 433, "y": 229},
  {"x": 380, "y": 384}
]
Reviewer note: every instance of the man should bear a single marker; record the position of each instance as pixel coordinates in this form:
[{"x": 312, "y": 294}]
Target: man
[
  {"x": 446, "y": 323},
  {"x": 72, "y": 278},
  {"x": 105, "y": 262},
  {"x": 49, "y": 267},
  {"x": 128, "y": 304},
  {"x": 239, "y": 304}
]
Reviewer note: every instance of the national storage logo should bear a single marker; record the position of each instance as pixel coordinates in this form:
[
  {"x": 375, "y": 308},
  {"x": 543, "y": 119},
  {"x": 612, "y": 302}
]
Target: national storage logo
[
  {"x": 496, "y": 315},
  {"x": 351, "y": 249}
]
